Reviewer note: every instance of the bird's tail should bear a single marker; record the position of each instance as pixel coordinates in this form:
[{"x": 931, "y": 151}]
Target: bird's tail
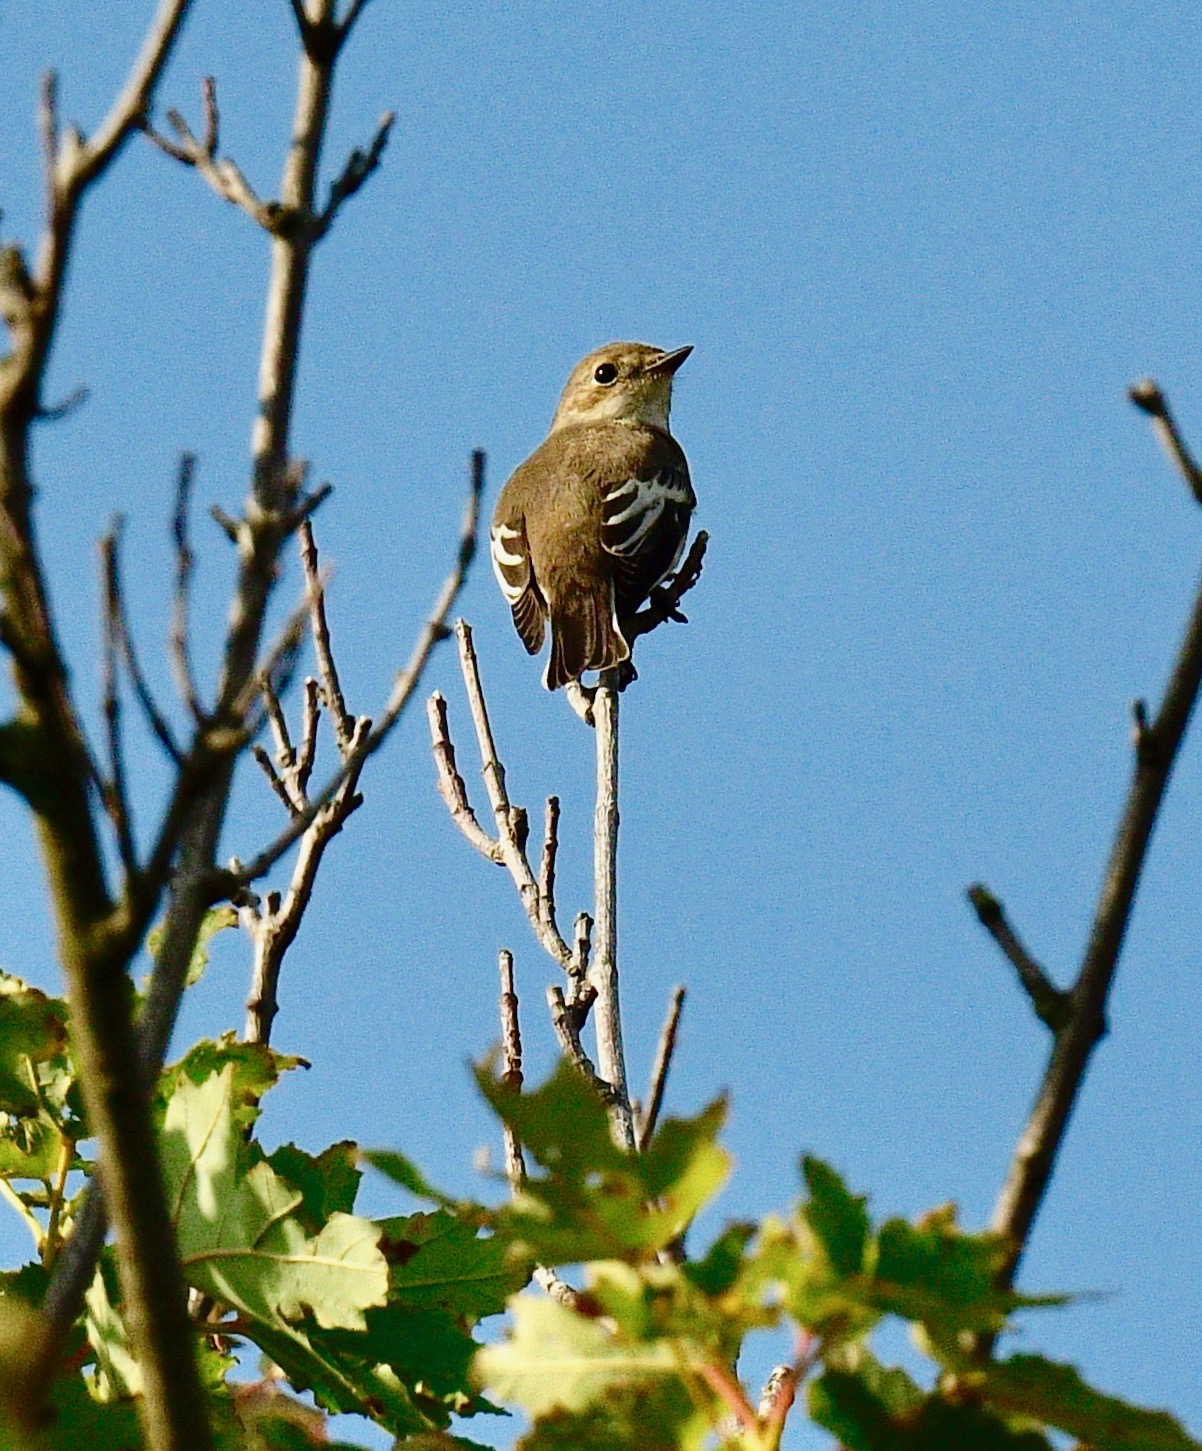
[{"x": 584, "y": 635}]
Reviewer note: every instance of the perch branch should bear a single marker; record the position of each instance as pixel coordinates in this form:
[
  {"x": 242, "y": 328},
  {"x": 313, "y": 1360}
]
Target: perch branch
[{"x": 603, "y": 970}]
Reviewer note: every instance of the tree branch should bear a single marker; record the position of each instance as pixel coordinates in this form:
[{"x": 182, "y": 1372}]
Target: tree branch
[
  {"x": 273, "y": 510},
  {"x": 222, "y": 174},
  {"x": 432, "y": 633},
  {"x": 659, "y": 1073},
  {"x": 509, "y": 847},
  {"x": 181, "y": 650},
  {"x": 1053, "y": 1007},
  {"x": 1074, "y": 1042},
  {"x": 94, "y": 936},
  {"x": 603, "y": 970}
]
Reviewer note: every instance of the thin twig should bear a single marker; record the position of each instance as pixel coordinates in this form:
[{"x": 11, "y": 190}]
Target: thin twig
[
  {"x": 359, "y": 166},
  {"x": 511, "y": 1050},
  {"x": 451, "y": 785},
  {"x": 353, "y": 11},
  {"x": 1146, "y": 394},
  {"x": 603, "y": 970},
  {"x": 659, "y": 1073},
  {"x": 567, "y": 1032},
  {"x": 181, "y": 655},
  {"x": 1053, "y": 1007},
  {"x": 222, "y": 174},
  {"x": 546, "y": 870},
  {"x": 48, "y": 127},
  {"x": 431, "y": 634},
  {"x": 115, "y": 790},
  {"x": 111, "y": 554},
  {"x": 315, "y": 594}
]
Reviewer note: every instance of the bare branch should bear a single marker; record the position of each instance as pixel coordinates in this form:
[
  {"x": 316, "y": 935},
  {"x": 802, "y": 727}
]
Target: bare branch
[
  {"x": 181, "y": 656},
  {"x": 353, "y": 11},
  {"x": 222, "y": 174},
  {"x": 359, "y": 166},
  {"x": 56, "y": 412},
  {"x": 1146, "y": 394},
  {"x": 48, "y": 127},
  {"x": 546, "y": 871},
  {"x": 133, "y": 104},
  {"x": 308, "y": 747},
  {"x": 1156, "y": 751},
  {"x": 511, "y": 1049},
  {"x": 342, "y": 720},
  {"x": 603, "y": 970},
  {"x": 451, "y": 786},
  {"x": 432, "y": 633},
  {"x": 274, "y": 929},
  {"x": 659, "y": 1073},
  {"x": 563, "y": 1021},
  {"x": 1053, "y": 1007},
  {"x": 114, "y": 790},
  {"x": 263, "y": 760},
  {"x": 115, "y": 608}
]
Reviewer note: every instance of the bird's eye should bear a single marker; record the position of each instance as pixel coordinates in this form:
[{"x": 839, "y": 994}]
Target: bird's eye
[{"x": 606, "y": 374}]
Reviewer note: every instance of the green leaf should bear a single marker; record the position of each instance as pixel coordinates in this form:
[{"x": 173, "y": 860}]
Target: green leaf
[
  {"x": 33, "y": 1031},
  {"x": 651, "y": 1418},
  {"x": 328, "y": 1183},
  {"x": 240, "y": 1237},
  {"x": 874, "y": 1409},
  {"x": 118, "y": 1375},
  {"x": 556, "y": 1359},
  {"x": 341, "y": 1381},
  {"x": 215, "y": 920},
  {"x": 593, "y": 1201},
  {"x": 77, "y": 1420},
  {"x": 1056, "y": 1395},
  {"x": 440, "y": 1262},
  {"x": 837, "y": 1218},
  {"x": 935, "y": 1273},
  {"x": 404, "y": 1172},
  {"x": 718, "y": 1269}
]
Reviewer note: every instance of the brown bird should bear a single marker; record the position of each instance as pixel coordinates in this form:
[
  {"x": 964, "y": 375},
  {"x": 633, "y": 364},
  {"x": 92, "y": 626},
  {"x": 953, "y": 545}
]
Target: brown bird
[{"x": 598, "y": 514}]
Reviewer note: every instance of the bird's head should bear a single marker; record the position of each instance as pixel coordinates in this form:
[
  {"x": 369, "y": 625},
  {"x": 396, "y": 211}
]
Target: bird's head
[{"x": 630, "y": 382}]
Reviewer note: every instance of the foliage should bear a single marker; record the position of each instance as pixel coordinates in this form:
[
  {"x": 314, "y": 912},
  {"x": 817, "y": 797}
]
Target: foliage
[{"x": 378, "y": 1317}]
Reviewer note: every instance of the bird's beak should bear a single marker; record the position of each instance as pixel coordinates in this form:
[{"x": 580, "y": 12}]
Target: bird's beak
[{"x": 669, "y": 362}]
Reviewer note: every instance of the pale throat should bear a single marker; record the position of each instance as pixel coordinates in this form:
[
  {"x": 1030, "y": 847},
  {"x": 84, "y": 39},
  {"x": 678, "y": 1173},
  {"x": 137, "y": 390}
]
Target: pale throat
[{"x": 651, "y": 409}]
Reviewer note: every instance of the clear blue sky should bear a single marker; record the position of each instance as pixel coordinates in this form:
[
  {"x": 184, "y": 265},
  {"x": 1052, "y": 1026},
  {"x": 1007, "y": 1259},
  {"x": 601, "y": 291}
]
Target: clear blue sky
[{"x": 921, "y": 249}]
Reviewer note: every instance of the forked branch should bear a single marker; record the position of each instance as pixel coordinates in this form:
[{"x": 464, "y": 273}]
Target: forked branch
[{"x": 1079, "y": 1017}]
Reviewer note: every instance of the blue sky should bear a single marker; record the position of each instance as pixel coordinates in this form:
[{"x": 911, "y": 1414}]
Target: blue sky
[{"x": 921, "y": 249}]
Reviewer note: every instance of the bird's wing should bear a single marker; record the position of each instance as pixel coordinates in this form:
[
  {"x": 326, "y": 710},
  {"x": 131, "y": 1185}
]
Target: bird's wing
[
  {"x": 510, "y": 552},
  {"x": 645, "y": 522}
]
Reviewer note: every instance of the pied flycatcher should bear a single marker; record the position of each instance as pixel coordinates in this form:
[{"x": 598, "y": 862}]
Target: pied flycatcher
[{"x": 598, "y": 514}]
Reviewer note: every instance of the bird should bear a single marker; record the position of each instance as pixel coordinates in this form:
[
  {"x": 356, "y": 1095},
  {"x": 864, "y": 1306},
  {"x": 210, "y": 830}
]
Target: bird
[{"x": 598, "y": 515}]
